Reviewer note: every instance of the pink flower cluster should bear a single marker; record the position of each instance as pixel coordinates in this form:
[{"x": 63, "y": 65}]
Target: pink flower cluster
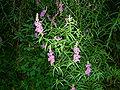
[
  {"x": 88, "y": 71},
  {"x": 57, "y": 38},
  {"x": 76, "y": 56},
  {"x": 39, "y": 27},
  {"x": 51, "y": 57}
]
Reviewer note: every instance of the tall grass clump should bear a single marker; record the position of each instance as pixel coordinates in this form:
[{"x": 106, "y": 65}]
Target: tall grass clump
[{"x": 67, "y": 45}]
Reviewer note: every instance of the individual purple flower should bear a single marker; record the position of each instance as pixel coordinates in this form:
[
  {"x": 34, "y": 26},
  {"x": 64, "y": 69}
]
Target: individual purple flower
[
  {"x": 51, "y": 58},
  {"x": 88, "y": 71},
  {"x": 73, "y": 87},
  {"x": 88, "y": 65},
  {"x": 39, "y": 29},
  {"x": 50, "y": 53},
  {"x": 37, "y": 23},
  {"x": 77, "y": 56},
  {"x": 42, "y": 14},
  {"x": 61, "y": 5},
  {"x": 43, "y": 46},
  {"x": 76, "y": 50},
  {"x": 57, "y": 38},
  {"x": 60, "y": 9}
]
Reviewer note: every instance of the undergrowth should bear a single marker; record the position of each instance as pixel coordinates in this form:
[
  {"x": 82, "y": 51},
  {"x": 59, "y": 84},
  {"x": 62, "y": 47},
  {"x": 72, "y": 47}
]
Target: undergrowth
[{"x": 90, "y": 25}]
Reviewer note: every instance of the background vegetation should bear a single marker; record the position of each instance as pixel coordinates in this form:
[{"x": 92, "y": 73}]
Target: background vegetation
[{"x": 24, "y": 63}]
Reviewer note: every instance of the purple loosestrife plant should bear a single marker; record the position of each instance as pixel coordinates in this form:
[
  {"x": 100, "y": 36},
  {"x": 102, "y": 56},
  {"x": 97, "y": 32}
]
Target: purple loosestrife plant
[
  {"x": 51, "y": 58},
  {"x": 88, "y": 71},
  {"x": 76, "y": 57},
  {"x": 42, "y": 14},
  {"x": 39, "y": 27}
]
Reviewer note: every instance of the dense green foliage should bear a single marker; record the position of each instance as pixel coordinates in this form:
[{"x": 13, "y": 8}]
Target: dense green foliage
[{"x": 94, "y": 24}]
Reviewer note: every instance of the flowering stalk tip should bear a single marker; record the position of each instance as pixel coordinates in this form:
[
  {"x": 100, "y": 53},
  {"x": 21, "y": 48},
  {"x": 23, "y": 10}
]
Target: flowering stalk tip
[
  {"x": 76, "y": 56},
  {"x": 88, "y": 71},
  {"x": 39, "y": 27},
  {"x": 51, "y": 58},
  {"x": 42, "y": 14}
]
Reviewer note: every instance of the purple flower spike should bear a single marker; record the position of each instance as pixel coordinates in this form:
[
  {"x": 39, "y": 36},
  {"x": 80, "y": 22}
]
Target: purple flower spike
[
  {"x": 76, "y": 56},
  {"x": 51, "y": 58},
  {"x": 61, "y": 7},
  {"x": 39, "y": 27},
  {"x": 42, "y": 14},
  {"x": 88, "y": 71}
]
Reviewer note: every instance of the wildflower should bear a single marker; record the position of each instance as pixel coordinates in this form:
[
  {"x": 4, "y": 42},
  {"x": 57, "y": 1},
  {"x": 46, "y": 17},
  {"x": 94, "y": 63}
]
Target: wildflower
[
  {"x": 61, "y": 7},
  {"x": 76, "y": 56},
  {"x": 88, "y": 65},
  {"x": 42, "y": 14},
  {"x": 37, "y": 23},
  {"x": 51, "y": 58},
  {"x": 57, "y": 38},
  {"x": 73, "y": 87},
  {"x": 88, "y": 71},
  {"x": 39, "y": 27},
  {"x": 43, "y": 46}
]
